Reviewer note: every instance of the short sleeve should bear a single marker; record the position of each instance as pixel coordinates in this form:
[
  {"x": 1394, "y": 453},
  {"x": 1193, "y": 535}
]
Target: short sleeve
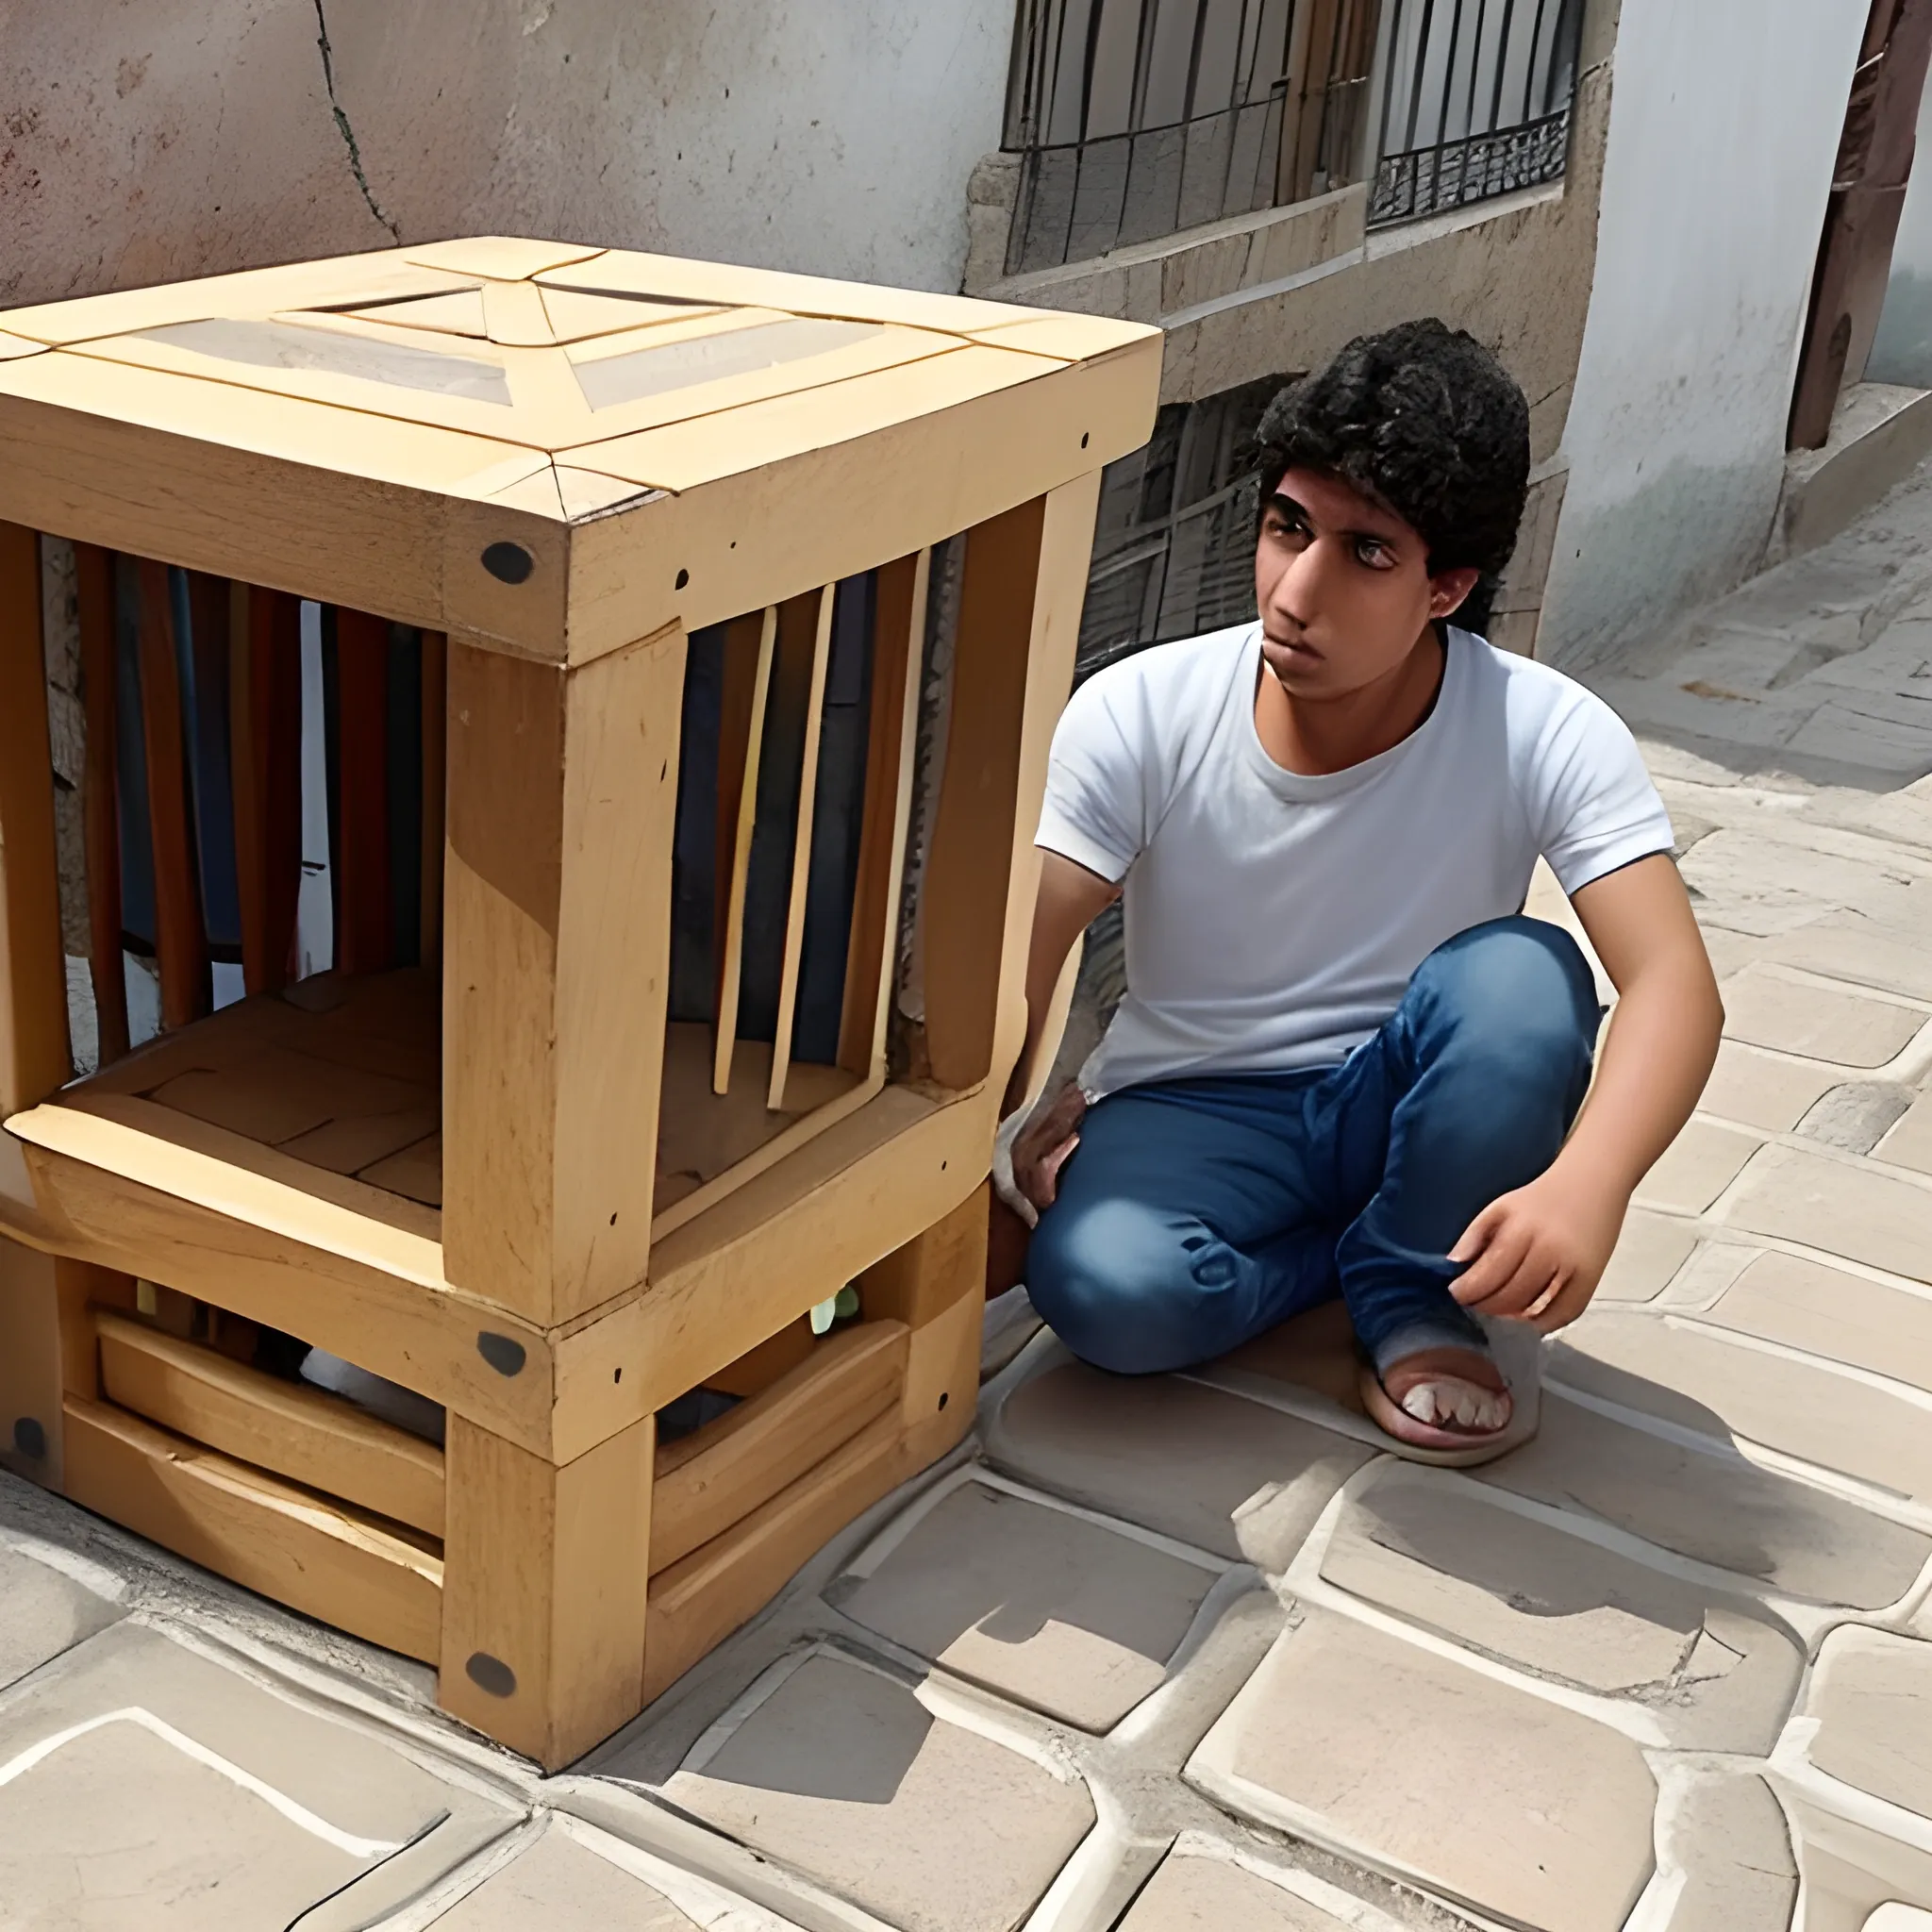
[
  {"x": 1095, "y": 807},
  {"x": 1591, "y": 802}
]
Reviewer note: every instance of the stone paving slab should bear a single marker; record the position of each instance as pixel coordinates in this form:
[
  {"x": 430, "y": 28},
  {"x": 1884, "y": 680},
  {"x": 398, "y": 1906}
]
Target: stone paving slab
[
  {"x": 1710, "y": 1508},
  {"x": 1061, "y": 1611},
  {"x": 1649, "y": 1253},
  {"x": 1728, "y": 1838},
  {"x": 1108, "y": 1442},
  {"x": 1353, "y": 1737},
  {"x": 1850, "y": 1029},
  {"x": 1713, "y": 1672},
  {"x": 45, "y": 1612},
  {"x": 1763, "y": 1089},
  {"x": 1199, "y": 1888},
  {"x": 1832, "y": 1314},
  {"x": 1715, "y": 1384},
  {"x": 839, "y": 1769},
  {"x": 148, "y": 1785}
]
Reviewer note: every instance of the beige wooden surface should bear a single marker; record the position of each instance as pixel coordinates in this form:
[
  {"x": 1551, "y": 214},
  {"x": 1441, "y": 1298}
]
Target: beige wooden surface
[
  {"x": 381, "y": 491},
  {"x": 544, "y": 1579},
  {"x": 834, "y": 480},
  {"x": 801, "y": 846},
  {"x": 697, "y": 1603},
  {"x": 33, "y": 982},
  {"x": 30, "y": 1380},
  {"x": 767, "y": 1253},
  {"x": 319, "y": 1440},
  {"x": 220, "y": 1250},
  {"x": 322, "y": 1559},
  {"x": 719, "y": 1474},
  {"x": 740, "y": 752},
  {"x": 563, "y": 788}
]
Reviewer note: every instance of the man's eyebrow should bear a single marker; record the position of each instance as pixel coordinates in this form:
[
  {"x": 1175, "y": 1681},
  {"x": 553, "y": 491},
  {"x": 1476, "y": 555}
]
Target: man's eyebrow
[{"x": 1288, "y": 508}]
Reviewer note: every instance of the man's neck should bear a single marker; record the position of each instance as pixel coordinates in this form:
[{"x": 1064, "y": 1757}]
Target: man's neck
[{"x": 1315, "y": 736}]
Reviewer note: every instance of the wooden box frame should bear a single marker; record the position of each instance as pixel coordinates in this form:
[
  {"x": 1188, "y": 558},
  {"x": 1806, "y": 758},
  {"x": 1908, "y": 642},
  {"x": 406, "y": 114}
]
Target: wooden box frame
[{"x": 565, "y": 534}]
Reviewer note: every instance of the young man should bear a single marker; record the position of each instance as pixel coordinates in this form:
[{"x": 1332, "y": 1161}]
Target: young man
[{"x": 1345, "y": 1064}]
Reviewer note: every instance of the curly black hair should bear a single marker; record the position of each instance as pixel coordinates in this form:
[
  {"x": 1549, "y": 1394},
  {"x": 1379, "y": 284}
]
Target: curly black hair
[{"x": 1423, "y": 419}]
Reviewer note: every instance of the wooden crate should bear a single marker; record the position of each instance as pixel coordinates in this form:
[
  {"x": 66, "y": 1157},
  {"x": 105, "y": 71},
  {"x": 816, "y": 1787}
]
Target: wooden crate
[{"x": 686, "y": 642}]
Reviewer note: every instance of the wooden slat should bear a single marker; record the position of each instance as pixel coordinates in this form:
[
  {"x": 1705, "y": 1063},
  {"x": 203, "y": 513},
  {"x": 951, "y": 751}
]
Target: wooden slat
[
  {"x": 898, "y": 653},
  {"x": 919, "y": 1281},
  {"x": 100, "y": 796},
  {"x": 271, "y": 1251},
  {"x": 543, "y": 1599},
  {"x": 33, "y": 974},
  {"x": 324, "y": 1559},
  {"x": 833, "y": 478},
  {"x": 316, "y": 1439},
  {"x": 435, "y": 745},
  {"x": 743, "y": 751},
  {"x": 181, "y": 942},
  {"x": 801, "y": 848},
  {"x": 562, "y": 792},
  {"x": 1023, "y": 586},
  {"x": 756, "y": 1369},
  {"x": 325, "y": 502},
  {"x": 718, "y": 1475},
  {"x": 365, "y": 916},
  {"x": 265, "y": 753},
  {"x": 768, "y": 1252},
  {"x": 698, "y": 1603}
]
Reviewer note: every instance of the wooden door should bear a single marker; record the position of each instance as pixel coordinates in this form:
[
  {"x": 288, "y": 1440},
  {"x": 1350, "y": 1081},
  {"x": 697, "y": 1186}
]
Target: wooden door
[{"x": 1868, "y": 192}]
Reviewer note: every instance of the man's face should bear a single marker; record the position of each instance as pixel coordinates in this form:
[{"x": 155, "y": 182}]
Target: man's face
[{"x": 1343, "y": 587}]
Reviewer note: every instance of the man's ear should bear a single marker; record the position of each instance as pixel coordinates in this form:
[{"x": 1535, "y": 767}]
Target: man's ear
[{"x": 1448, "y": 588}]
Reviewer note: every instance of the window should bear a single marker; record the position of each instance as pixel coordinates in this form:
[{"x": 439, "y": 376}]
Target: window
[
  {"x": 1173, "y": 546},
  {"x": 1137, "y": 119},
  {"x": 1475, "y": 103}
]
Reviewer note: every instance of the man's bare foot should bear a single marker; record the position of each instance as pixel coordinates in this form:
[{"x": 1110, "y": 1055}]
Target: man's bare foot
[{"x": 1440, "y": 1399}]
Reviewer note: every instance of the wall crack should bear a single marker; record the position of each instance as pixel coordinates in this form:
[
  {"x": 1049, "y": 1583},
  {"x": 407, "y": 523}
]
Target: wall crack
[{"x": 342, "y": 128}]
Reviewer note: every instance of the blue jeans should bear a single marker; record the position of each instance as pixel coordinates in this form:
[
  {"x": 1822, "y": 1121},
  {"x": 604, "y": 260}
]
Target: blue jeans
[{"x": 1197, "y": 1213}]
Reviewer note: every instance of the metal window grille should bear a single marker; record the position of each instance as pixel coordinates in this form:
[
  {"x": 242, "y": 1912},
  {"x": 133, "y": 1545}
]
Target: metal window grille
[
  {"x": 1137, "y": 119},
  {"x": 1476, "y": 102},
  {"x": 1174, "y": 544}
]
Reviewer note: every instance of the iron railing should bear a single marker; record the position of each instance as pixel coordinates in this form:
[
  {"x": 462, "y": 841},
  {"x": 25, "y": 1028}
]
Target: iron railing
[
  {"x": 1136, "y": 118},
  {"x": 1476, "y": 102}
]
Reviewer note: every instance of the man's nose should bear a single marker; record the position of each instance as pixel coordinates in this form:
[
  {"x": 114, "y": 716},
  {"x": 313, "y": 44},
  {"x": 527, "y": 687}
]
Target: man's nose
[{"x": 1297, "y": 589}]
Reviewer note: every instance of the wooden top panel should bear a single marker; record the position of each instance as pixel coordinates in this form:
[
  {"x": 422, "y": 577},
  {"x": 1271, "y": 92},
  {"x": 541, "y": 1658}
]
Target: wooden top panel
[
  {"x": 543, "y": 346},
  {"x": 364, "y": 430}
]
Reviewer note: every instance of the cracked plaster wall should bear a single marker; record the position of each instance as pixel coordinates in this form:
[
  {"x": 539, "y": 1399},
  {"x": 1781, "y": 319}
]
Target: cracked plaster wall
[
  {"x": 1724, "y": 127},
  {"x": 141, "y": 143}
]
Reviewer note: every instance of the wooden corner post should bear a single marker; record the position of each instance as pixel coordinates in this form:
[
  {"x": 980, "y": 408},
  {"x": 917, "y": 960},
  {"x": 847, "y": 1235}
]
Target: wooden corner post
[
  {"x": 544, "y": 1581},
  {"x": 1020, "y": 601},
  {"x": 562, "y": 786}
]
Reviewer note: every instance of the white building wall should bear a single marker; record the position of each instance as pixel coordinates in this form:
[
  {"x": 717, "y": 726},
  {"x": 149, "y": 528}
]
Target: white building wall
[
  {"x": 1725, "y": 121},
  {"x": 1902, "y": 352},
  {"x": 146, "y": 143}
]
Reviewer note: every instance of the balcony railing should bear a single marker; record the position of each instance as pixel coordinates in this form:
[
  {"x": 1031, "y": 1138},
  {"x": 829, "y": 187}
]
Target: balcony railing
[
  {"x": 1136, "y": 118},
  {"x": 1476, "y": 102}
]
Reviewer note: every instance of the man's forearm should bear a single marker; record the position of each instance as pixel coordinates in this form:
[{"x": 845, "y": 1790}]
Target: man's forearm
[{"x": 1658, "y": 1054}]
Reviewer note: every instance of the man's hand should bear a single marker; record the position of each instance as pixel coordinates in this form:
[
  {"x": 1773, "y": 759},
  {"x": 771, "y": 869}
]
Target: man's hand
[
  {"x": 1538, "y": 1253},
  {"x": 1040, "y": 1150}
]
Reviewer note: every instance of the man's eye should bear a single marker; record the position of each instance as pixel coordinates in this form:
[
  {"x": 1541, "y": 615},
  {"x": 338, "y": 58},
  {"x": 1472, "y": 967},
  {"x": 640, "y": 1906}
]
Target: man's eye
[{"x": 1371, "y": 553}]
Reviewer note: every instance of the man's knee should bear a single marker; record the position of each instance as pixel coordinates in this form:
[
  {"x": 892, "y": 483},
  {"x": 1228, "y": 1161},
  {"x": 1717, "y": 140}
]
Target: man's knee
[
  {"x": 1518, "y": 995},
  {"x": 1112, "y": 1282}
]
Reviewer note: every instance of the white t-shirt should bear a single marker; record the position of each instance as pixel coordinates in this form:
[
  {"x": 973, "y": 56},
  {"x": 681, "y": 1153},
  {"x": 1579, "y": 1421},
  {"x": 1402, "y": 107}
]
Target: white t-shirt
[{"x": 1274, "y": 921}]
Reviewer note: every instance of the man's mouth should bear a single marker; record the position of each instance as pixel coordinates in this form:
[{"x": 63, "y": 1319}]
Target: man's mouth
[{"x": 1291, "y": 650}]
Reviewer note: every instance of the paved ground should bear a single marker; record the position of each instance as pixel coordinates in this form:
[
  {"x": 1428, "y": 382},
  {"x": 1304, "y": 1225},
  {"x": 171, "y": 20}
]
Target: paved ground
[{"x": 1190, "y": 1653}]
